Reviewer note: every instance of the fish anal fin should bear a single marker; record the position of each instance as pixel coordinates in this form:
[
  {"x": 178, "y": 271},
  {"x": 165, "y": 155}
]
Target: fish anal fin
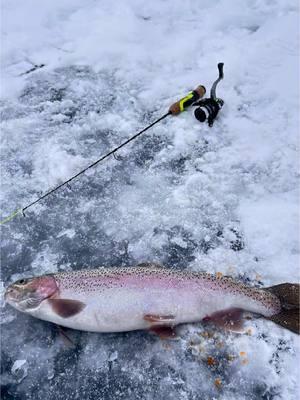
[
  {"x": 164, "y": 332},
  {"x": 159, "y": 319},
  {"x": 230, "y": 319},
  {"x": 66, "y": 308}
]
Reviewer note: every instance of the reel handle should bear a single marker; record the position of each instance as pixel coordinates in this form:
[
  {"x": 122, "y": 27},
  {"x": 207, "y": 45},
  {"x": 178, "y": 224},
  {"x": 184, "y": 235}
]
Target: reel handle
[
  {"x": 220, "y": 68},
  {"x": 187, "y": 101},
  {"x": 214, "y": 86}
]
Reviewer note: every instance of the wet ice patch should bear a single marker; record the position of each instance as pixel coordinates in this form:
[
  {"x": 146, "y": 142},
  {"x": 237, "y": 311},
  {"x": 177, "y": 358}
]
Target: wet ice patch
[{"x": 70, "y": 233}]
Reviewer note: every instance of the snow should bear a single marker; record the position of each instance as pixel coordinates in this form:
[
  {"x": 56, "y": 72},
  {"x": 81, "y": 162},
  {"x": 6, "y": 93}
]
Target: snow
[{"x": 222, "y": 199}]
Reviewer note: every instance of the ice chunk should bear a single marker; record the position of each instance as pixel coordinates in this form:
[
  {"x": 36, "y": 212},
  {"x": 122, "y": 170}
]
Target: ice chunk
[
  {"x": 19, "y": 370},
  {"x": 113, "y": 356}
]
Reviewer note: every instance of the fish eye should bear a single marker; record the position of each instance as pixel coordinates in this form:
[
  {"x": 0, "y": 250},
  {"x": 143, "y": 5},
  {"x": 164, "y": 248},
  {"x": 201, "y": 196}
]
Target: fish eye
[{"x": 21, "y": 281}]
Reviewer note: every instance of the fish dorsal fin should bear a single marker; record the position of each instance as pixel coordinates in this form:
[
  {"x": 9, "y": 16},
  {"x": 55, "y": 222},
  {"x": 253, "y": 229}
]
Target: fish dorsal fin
[
  {"x": 66, "y": 308},
  {"x": 149, "y": 265}
]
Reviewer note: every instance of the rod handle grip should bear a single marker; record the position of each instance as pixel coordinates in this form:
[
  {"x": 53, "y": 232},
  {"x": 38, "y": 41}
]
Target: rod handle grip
[{"x": 188, "y": 100}]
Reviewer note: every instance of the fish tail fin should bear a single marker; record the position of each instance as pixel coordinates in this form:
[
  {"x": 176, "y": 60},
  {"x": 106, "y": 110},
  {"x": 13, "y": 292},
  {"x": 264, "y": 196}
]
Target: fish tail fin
[{"x": 289, "y": 296}]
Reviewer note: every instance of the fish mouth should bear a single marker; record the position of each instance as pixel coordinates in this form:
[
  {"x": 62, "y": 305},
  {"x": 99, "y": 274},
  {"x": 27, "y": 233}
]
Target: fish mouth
[
  {"x": 11, "y": 294},
  {"x": 11, "y": 297},
  {"x": 27, "y": 294},
  {"x": 20, "y": 300}
]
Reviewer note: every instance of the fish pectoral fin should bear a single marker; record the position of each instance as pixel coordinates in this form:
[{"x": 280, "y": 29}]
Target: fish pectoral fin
[
  {"x": 230, "y": 319},
  {"x": 164, "y": 332},
  {"x": 66, "y": 308},
  {"x": 159, "y": 319},
  {"x": 68, "y": 342}
]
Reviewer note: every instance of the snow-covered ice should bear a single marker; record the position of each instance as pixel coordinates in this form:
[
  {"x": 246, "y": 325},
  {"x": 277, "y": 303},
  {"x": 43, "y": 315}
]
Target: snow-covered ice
[{"x": 185, "y": 195}]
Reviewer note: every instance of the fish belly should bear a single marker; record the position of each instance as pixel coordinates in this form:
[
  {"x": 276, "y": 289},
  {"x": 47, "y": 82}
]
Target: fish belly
[{"x": 117, "y": 310}]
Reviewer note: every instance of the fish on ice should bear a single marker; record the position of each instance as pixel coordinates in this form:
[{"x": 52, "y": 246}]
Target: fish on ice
[{"x": 150, "y": 297}]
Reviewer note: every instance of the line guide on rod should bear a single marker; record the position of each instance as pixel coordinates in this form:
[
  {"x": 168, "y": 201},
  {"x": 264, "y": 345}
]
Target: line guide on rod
[{"x": 211, "y": 107}]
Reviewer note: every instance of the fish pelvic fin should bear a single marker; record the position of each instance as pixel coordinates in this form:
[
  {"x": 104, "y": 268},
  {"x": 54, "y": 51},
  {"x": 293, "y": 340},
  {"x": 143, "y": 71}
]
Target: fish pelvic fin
[
  {"x": 164, "y": 332},
  {"x": 289, "y": 296},
  {"x": 161, "y": 325},
  {"x": 159, "y": 319}
]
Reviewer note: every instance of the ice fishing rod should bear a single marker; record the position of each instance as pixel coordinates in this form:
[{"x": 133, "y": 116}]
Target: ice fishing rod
[{"x": 175, "y": 109}]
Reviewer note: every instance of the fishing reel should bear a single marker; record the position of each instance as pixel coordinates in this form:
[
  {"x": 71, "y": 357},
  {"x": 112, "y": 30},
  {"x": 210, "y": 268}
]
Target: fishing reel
[{"x": 208, "y": 109}]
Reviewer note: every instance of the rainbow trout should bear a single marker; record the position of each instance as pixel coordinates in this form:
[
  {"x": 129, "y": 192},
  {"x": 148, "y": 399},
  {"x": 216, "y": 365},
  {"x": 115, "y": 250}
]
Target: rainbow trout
[{"x": 149, "y": 297}]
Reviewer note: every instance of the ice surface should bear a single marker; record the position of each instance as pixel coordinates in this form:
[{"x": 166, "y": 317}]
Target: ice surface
[{"x": 223, "y": 199}]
